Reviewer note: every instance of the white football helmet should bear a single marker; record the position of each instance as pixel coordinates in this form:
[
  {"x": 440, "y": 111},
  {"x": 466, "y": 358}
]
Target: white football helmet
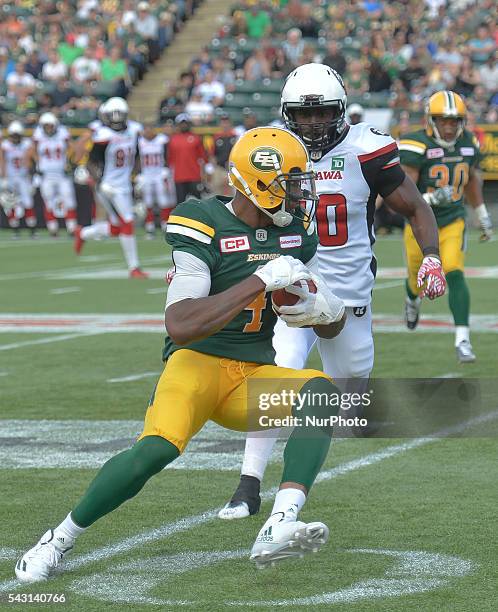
[
  {"x": 315, "y": 89},
  {"x": 115, "y": 113},
  {"x": 49, "y": 123},
  {"x": 15, "y": 131}
]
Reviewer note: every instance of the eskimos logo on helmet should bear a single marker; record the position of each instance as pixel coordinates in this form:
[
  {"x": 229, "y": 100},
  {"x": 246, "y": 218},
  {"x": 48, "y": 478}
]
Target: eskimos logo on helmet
[{"x": 266, "y": 159}]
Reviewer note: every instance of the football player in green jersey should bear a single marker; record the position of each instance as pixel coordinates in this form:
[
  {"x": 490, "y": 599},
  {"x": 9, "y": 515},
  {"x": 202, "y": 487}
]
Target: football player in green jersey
[
  {"x": 229, "y": 255},
  {"x": 443, "y": 160}
]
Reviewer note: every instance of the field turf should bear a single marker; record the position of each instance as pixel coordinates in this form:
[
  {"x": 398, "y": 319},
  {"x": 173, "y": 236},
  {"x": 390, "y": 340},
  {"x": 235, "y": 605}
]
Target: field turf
[{"x": 413, "y": 520}]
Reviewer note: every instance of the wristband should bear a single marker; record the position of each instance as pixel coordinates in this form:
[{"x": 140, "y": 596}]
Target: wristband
[{"x": 431, "y": 251}]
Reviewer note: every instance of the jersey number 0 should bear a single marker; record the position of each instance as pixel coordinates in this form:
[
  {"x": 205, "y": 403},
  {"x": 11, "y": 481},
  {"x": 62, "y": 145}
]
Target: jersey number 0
[{"x": 332, "y": 220}]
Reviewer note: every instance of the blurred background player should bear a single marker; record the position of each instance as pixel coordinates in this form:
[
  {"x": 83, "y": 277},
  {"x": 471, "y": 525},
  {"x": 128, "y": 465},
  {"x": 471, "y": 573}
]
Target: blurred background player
[
  {"x": 355, "y": 114},
  {"x": 187, "y": 159},
  {"x": 443, "y": 159},
  {"x": 51, "y": 151},
  {"x": 352, "y": 164},
  {"x": 111, "y": 163},
  {"x": 15, "y": 178},
  {"x": 155, "y": 181}
]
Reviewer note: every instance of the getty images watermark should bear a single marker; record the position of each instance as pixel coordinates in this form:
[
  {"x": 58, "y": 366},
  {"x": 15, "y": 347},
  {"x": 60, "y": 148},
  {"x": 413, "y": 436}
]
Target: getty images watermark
[{"x": 328, "y": 404}]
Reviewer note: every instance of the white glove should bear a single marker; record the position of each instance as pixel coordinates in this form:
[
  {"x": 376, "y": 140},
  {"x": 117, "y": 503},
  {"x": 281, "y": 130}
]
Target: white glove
[
  {"x": 320, "y": 308},
  {"x": 107, "y": 190},
  {"x": 81, "y": 175},
  {"x": 282, "y": 272},
  {"x": 439, "y": 197},
  {"x": 485, "y": 224}
]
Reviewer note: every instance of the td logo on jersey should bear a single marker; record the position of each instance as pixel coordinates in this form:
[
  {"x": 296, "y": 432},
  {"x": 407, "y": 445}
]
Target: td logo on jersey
[
  {"x": 266, "y": 159},
  {"x": 337, "y": 163},
  {"x": 234, "y": 243}
]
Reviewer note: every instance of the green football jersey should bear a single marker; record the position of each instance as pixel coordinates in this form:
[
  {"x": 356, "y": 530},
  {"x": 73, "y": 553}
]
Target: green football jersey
[
  {"x": 441, "y": 166},
  {"x": 233, "y": 251}
]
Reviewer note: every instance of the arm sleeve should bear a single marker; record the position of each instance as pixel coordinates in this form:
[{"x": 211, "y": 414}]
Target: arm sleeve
[
  {"x": 97, "y": 154},
  {"x": 382, "y": 170},
  {"x": 192, "y": 278}
]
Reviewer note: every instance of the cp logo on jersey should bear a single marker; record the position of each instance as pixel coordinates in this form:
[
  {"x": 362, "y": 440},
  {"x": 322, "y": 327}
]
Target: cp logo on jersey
[
  {"x": 266, "y": 159},
  {"x": 234, "y": 243}
]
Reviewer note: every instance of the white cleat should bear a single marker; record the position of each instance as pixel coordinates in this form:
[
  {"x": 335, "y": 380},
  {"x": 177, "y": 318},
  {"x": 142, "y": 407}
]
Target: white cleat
[
  {"x": 41, "y": 560},
  {"x": 234, "y": 510},
  {"x": 464, "y": 352},
  {"x": 287, "y": 539}
]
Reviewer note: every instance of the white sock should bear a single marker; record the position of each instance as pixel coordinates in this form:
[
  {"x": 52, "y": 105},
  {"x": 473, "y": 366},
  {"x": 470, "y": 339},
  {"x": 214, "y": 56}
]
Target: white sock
[
  {"x": 462, "y": 332},
  {"x": 67, "y": 532},
  {"x": 52, "y": 226},
  {"x": 71, "y": 225},
  {"x": 98, "y": 230},
  {"x": 289, "y": 501},
  {"x": 129, "y": 246},
  {"x": 257, "y": 453}
]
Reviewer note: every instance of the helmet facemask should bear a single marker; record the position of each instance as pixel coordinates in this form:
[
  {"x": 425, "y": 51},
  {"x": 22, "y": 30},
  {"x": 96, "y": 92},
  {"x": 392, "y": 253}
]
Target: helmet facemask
[
  {"x": 431, "y": 119},
  {"x": 318, "y": 136},
  {"x": 298, "y": 192}
]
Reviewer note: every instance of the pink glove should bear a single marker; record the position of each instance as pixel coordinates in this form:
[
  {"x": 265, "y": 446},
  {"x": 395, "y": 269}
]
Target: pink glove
[
  {"x": 431, "y": 274},
  {"x": 169, "y": 275}
]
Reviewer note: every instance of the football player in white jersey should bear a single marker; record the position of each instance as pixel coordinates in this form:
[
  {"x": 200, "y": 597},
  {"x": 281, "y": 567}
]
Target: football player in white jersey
[
  {"x": 50, "y": 151},
  {"x": 155, "y": 180},
  {"x": 15, "y": 178},
  {"x": 111, "y": 163},
  {"x": 353, "y": 164}
]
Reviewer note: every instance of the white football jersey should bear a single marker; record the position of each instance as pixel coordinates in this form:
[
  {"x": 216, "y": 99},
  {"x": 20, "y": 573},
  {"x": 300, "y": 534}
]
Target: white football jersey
[
  {"x": 348, "y": 179},
  {"x": 14, "y": 155},
  {"x": 120, "y": 152},
  {"x": 152, "y": 161},
  {"x": 52, "y": 150}
]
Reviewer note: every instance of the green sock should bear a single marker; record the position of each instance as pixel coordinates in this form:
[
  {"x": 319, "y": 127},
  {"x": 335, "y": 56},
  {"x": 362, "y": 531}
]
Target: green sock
[
  {"x": 409, "y": 292},
  {"x": 308, "y": 446},
  {"x": 122, "y": 477},
  {"x": 458, "y": 297}
]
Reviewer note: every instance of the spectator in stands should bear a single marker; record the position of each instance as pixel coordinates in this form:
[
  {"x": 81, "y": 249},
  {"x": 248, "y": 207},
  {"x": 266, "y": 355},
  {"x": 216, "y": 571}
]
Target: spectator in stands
[
  {"x": 186, "y": 86},
  {"x": 211, "y": 90},
  {"x": 223, "y": 73},
  {"x": 115, "y": 69},
  {"x": 489, "y": 73},
  {"x": 186, "y": 158},
  {"x": 356, "y": 80},
  {"x": 249, "y": 122},
  {"x": 86, "y": 67},
  {"x": 7, "y": 65},
  {"x": 135, "y": 59},
  {"x": 258, "y": 22},
  {"x": 257, "y": 67},
  {"x": 449, "y": 54},
  {"x": 165, "y": 32},
  {"x": 54, "y": 69},
  {"x": 281, "y": 66},
  {"x": 239, "y": 25},
  {"x": 223, "y": 141},
  {"x": 468, "y": 78},
  {"x": 34, "y": 65},
  {"x": 172, "y": 104},
  {"x": 199, "y": 110},
  {"x": 68, "y": 51},
  {"x": 334, "y": 58},
  {"x": 412, "y": 73},
  {"x": 63, "y": 97},
  {"x": 307, "y": 24},
  {"x": 478, "y": 102},
  {"x": 20, "y": 83},
  {"x": 293, "y": 46},
  {"x": 482, "y": 46},
  {"x": 147, "y": 26}
]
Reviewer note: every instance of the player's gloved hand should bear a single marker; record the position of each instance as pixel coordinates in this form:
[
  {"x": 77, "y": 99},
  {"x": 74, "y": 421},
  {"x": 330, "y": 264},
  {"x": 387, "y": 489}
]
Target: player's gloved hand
[
  {"x": 485, "y": 224},
  {"x": 431, "y": 273},
  {"x": 320, "y": 308},
  {"x": 439, "y": 197},
  {"x": 282, "y": 272},
  {"x": 81, "y": 175},
  {"x": 169, "y": 275},
  {"x": 107, "y": 190}
]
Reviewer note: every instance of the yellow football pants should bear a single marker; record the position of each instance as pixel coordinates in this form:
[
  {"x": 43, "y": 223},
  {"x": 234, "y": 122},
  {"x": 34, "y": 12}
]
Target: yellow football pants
[
  {"x": 195, "y": 388},
  {"x": 451, "y": 248}
]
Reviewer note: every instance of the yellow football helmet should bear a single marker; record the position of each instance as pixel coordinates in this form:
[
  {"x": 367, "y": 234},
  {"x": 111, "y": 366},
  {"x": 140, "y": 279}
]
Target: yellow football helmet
[
  {"x": 271, "y": 167},
  {"x": 447, "y": 104}
]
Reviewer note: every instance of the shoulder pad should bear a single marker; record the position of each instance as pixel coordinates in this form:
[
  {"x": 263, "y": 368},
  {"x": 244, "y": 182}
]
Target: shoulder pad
[
  {"x": 102, "y": 134},
  {"x": 369, "y": 142},
  {"x": 193, "y": 218},
  {"x": 413, "y": 142}
]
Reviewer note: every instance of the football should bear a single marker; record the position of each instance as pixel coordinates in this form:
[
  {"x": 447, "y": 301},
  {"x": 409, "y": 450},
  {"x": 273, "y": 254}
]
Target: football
[{"x": 282, "y": 297}]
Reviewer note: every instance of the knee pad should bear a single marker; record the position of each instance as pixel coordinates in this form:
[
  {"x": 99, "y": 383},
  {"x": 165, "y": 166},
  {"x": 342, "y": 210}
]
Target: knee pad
[
  {"x": 126, "y": 228},
  {"x": 115, "y": 230}
]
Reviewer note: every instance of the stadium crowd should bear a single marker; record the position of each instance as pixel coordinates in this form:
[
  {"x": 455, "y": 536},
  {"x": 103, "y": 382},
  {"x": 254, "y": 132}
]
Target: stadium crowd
[
  {"x": 66, "y": 56},
  {"x": 391, "y": 54}
]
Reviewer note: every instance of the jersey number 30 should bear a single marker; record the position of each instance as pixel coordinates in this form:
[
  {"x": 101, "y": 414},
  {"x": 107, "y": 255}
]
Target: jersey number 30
[{"x": 332, "y": 220}]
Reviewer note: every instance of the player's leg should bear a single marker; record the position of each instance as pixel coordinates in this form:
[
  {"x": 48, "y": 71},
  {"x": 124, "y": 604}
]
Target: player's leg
[
  {"x": 100, "y": 229},
  {"x": 183, "y": 400},
  {"x": 123, "y": 203},
  {"x": 292, "y": 347},
  {"x": 452, "y": 245},
  {"x": 68, "y": 195},
  {"x": 166, "y": 199},
  {"x": 48, "y": 190},
  {"x": 413, "y": 260},
  {"x": 14, "y": 211},
  {"x": 26, "y": 197},
  {"x": 148, "y": 191}
]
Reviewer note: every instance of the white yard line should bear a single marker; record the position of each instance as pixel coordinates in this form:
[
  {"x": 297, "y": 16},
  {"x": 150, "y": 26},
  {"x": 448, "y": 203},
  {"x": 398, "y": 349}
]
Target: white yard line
[
  {"x": 388, "y": 285},
  {"x": 64, "y": 290},
  {"x": 189, "y": 522},
  {"x": 157, "y": 290},
  {"x": 133, "y": 377},
  {"x": 15, "y": 345}
]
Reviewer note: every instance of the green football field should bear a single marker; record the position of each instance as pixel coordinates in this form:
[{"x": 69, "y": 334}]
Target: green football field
[{"x": 413, "y": 521}]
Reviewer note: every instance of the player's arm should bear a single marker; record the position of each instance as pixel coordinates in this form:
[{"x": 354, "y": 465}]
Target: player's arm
[
  {"x": 81, "y": 146},
  {"x": 192, "y": 314},
  {"x": 474, "y": 196},
  {"x": 96, "y": 160},
  {"x": 31, "y": 157},
  {"x": 2, "y": 162}
]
